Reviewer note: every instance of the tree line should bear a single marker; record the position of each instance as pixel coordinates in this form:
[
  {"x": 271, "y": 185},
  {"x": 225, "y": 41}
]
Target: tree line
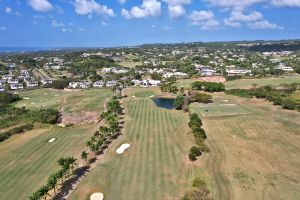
[
  {"x": 200, "y": 147},
  {"x": 67, "y": 165},
  {"x": 97, "y": 143},
  {"x": 279, "y": 96}
]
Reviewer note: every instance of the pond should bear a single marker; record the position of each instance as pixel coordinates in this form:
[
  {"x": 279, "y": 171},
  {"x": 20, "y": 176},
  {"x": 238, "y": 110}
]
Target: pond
[{"x": 164, "y": 103}]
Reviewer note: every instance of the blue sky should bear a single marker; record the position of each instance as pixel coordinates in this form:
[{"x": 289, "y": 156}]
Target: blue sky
[{"x": 104, "y": 23}]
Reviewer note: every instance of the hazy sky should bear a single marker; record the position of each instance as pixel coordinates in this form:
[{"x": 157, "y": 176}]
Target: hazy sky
[{"x": 102, "y": 23}]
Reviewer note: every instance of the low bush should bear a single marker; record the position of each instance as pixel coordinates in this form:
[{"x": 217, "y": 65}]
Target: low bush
[
  {"x": 14, "y": 131},
  {"x": 240, "y": 93}
]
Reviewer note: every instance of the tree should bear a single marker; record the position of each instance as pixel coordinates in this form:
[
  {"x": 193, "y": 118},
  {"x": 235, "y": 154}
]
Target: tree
[
  {"x": 52, "y": 182},
  {"x": 35, "y": 196},
  {"x": 43, "y": 191},
  {"x": 60, "y": 84},
  {"x": 179, "y": 101},
  {"x": 84, "y": 156},
  {"x": 71, "y": 161},
  {"x": 156, "y": 76}
]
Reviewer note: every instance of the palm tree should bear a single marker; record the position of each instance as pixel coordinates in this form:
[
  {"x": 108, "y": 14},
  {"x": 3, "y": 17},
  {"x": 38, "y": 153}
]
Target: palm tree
[
  {"x": 61, "y": 174},
  {"x": 35, "y": 196},
  {"x": 52, "y": 182},
  {"x": 62, "y": 161},
  {"x": 84, "y": 156},
  {"x": 43, "y": 191},
  {"x": 72, "y": 161}
]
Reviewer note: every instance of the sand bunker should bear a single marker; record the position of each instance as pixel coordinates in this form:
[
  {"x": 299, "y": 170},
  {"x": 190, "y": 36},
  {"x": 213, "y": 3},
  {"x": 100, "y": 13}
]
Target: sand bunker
[
  {"x": 225, "y": 100},
  {"x": 56, "y": 95},
  {"x": 45, "y": 93},
  {"x": 151, "y": 96},
  {"x": 97, "y": 196},
  {"x": 51, "y": 140},
  {"x": 26, "y": 98},
  {"x": 133, "y": 96},
  {"x": 228, "y": 104},
  {"x": 122, "y": 148},
  {"x": 32, "y": 103}
]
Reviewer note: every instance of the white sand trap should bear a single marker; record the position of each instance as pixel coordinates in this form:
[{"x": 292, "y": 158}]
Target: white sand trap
[
  {"x": 228, "y": 104},
  {"x": 26, "y": 98},
  {"x": 151, "y": 96},
  {"x": 122, "y": 148},
  {"x": 133, "y": 96},
  {"x": 56, "y": 95},
  {"x": 32, "y": 103},
  {"x": 97, "y": 196},
  {"x": 225, "y": 100},
  {"x": 45, "y": 93},
  {"x": 51, "y": 140}
]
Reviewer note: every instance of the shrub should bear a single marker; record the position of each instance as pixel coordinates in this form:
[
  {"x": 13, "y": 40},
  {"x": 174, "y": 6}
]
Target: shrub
[
  {"x": 49, "y": 116},
  {"x": 239, "y": 92},
  {"x": 201, "y": 98},
  {"x": 192, "y": 156},
  {"x": 8, "y": 97},
  {"x": 179, "y": 101},
  {"x": 199, "y": 183},
  {"x": 17, "y": 130},
  {"x": 208, "y": 86},
  {"x": 60, "y": 84}
]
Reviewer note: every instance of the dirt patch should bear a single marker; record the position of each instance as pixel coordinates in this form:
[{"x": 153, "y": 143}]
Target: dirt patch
[
  {"x": 79, "y": 118},
  {"x": 216, "y": 79}
]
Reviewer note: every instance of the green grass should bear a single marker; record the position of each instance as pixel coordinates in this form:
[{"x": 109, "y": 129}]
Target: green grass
[
  {"x": 156, "y": 166},
  {"x": 74, "y": 101},
  {"x": 27, "y": 160},
  {"x": 259, "y": 139},
  {"x": 247, "y": 83}
]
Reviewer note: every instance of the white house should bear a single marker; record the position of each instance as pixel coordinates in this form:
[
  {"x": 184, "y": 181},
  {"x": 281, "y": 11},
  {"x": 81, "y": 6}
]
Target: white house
[
  {"x": 7, "y": 76},
  {"x": 99, "y": 84},
  {"x": 46, "y": 81},
  {"x": 2, "y": 89},
  {"x": 136, "y": 82},
  {"x": 284, "y": 68},
  {"x": 237, "y": 71},
  {"x": 16, "y": 86},
  {"x": 11, "y": 81},
  {"x": 175, "y": 74},
  {"x": 154, "y": 82},
  {"x": 111, "y": 83},
  {"x": 32, "y": 83}
]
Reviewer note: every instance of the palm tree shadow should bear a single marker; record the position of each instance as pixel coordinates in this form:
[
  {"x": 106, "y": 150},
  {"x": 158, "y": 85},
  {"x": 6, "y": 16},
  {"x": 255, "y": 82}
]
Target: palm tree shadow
[{"x": 69, "y": 184}]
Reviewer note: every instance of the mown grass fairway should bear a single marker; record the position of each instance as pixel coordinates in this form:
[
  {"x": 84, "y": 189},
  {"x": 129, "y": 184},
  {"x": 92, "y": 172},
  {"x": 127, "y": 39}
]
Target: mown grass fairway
[
  {"x": 247, "y": 83},
  {"x": 156, "y": 165},
  {"x": 72, "y": 101},
  {"x": 255, "y": 149},
  {"x": 27, "y": 160}
]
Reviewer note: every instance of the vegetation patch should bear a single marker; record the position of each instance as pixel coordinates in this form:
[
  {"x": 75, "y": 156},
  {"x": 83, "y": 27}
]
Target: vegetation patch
[{"x": 243, "y": 178}]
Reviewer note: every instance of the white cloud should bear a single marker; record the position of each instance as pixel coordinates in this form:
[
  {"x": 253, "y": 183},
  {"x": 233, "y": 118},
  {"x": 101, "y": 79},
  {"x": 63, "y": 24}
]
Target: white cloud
[
  {"x": 103, "y": 23},
  {"x": 287, "y": 3},
  {"x": 71, "y": 24},
  {"x": 205, "y": 19},
  {"x": 2, "y": 28},
  {"x": 202, "y": 15},
  {"x": 122, "y": 1},
  {"x": 176, "y": 7},
  {"x": 149, "y": 8},
  {"x": 40, "y": 5},
  {"x": 232, "y": 24},
  {"x": 237, "y": 16},
  {"x": 81, "y": 29},
  {"x": 237, "y": 4},
  {"x": 176, "y": 11},
  {"x": 177, "y": 2},
  {"x": 57, "y": 24},
  {"x": 8, "y": 10},
  {"x": 153, "y": 26},
  {"x": 88, "y": 7},
  {"x": 264, "y": 25}
]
